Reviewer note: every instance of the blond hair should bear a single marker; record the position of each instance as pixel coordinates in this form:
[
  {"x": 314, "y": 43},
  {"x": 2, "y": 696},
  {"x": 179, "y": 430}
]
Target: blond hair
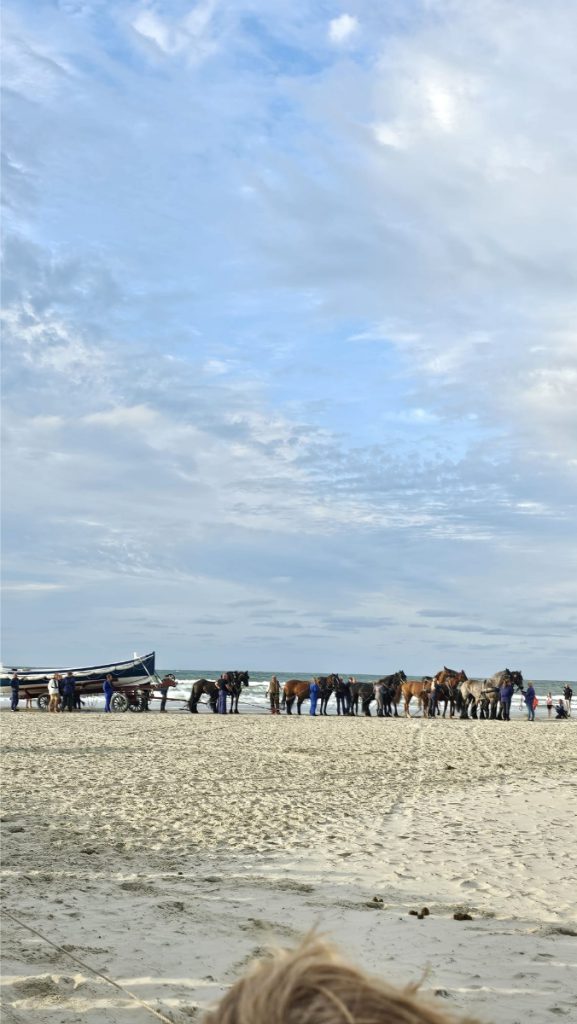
[{"x": 314, "y": 984}]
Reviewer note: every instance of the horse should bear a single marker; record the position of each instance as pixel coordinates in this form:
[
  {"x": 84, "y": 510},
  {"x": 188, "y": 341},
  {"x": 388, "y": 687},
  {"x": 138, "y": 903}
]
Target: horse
[
  {"x": 478, "y": 691},
  {"x": 201, "y": 686},
  {"x": 234, "y": 684},
  {"x": 420, "y": 690},
  {"x": 294, "y": 688},
  {"x": 365, "y": 692},
  {"x": 326, "y": 686},
  {"x": 301, "y": 690},
  {"x": 447, "y": 689}
]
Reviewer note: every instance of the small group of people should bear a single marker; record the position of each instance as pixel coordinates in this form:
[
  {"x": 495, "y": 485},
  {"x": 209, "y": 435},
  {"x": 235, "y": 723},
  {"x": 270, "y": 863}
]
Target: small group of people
[
  {"x": 562, "y": 708},
  {"x": 62, "y": 692}
]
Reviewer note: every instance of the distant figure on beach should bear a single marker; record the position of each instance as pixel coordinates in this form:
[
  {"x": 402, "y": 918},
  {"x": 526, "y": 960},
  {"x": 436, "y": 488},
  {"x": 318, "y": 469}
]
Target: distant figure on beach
[
  {"x": 549, "y": 705},
  {"x": 560, "y": 709},
  {"x": 529, "y": 698},
  {"x": 342, "y": 692},
  {"x": 314, "y": 690},
  {"x": 505, "y": 698},
  {"x": 568, "y": 696},
  {"x": 433, "y": 699},
  {"x": 380, "y": 692},
  {"x": 165, "y": 683},
  {"x": 314, "y": 983},
  {"x": 54, "y": 693},
  {"x": 273, "y": 694},
  {"x": 108, "y": 688},
  {"x": 15, "y": 692},
  {"x": 222, "y": 694},
  {"x": 347, "y": 696},
  {"x": 68, "y": 692}
]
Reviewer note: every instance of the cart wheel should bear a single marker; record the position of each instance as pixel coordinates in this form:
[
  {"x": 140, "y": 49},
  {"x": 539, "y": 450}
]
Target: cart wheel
[
  {"x": 119, "y": 702},
  {"x": 42, "y": 702},
  {"x": 137, "y": 703}
]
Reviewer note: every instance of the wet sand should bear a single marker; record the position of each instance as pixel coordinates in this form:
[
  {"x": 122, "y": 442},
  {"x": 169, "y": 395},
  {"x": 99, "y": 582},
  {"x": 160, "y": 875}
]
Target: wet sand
[{"x": 162, "y": 852}]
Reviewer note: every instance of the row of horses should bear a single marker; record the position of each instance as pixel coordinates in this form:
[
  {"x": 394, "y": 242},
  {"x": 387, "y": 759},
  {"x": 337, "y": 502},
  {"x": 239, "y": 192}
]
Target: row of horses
[{"x": 475, "y": 698}]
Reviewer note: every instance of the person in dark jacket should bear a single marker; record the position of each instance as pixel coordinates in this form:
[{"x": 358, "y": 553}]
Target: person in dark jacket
[
  {"x": 560, "y": 709},
  {"x": 222, "y": 695},
  {"x": 69, "y": 692},
  {"x": 505, "y": 698},
  {"x": 529, "y": 698},
  {"x": 341, "y": 696},
  {"x": 108, "y": 688},
  {"x": 15, "y": 692},
  {"x": 568, "y": 696}
]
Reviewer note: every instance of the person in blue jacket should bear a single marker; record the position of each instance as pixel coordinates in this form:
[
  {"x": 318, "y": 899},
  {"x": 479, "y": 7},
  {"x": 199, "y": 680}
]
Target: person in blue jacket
[
  {"x": 314, "y": 691},
  {"x": 69, "y": 690},
  {"x": 529, "y": 697},
  {"x": 505, "y": 698},
  {"x": 108, "y": 691},
  {"x": 222, "y": 695}
]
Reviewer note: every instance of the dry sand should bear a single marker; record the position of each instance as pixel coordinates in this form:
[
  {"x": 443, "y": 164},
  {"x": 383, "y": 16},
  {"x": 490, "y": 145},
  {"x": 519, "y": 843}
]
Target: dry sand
[{"x": 162, "y": 852}]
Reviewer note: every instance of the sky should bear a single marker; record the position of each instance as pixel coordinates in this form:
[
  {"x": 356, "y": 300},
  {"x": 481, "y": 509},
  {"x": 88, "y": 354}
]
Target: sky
[{"x": 289, "y": 344}]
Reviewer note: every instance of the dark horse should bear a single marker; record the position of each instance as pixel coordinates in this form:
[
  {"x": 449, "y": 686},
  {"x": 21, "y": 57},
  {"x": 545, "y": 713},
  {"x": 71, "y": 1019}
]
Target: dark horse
[
  {"x": 234, "y": 684},
  {"x": 199, "y": 687},
  {"x": 300, "y": 689},
  {"x": 326, "y": 686},
  {"x": 365, "y": 692}
]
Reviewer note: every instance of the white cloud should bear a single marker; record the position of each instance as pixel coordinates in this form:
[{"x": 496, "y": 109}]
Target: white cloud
[
  {"x": 342, "y": 29},
  {"x": 190, "y": 35}
]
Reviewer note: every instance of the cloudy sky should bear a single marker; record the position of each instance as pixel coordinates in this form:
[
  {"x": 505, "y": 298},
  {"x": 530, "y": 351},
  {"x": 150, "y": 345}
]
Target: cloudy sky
[{"x": 290, "y": 361}]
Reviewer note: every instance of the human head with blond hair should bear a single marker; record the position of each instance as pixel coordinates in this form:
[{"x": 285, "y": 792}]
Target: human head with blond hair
[{"x": 314, "y": 984}]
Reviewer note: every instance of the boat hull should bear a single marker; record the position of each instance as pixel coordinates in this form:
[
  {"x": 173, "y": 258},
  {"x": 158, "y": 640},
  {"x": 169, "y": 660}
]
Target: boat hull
[{"x": 130, "y": 675}]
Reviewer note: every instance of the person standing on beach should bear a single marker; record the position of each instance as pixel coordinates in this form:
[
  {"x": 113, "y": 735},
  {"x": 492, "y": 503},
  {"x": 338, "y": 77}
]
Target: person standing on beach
[
  {"x": 53, "y": 694},
  {"x": 568, "y": 696},
  {"x": 314, "y": 690},
  {"x": 549, "y": 705},
  {"x": 341, "y": 696},
  {"x": 505, "y": 698},
  {"x": 273, "y": 694},
  {"x": 15, "y": 692},
  {"x": 165, "y": 683},
  {"x": 222, "y": 694},
  {"x": 347, "y": 696},
  {"x": 108, "y": 688},
  {"x": 529, "y": 698},
  {"x": 69, "y": 692}
]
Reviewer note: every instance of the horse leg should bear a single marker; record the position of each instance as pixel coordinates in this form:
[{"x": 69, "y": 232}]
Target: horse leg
[
  {"x": 193, "y": 705},
  {"x": 407, "y": 712},
  {"x": 299, "y": 705},
  {"x": 367, "y": 708},
  {"x": 289, "y": 701},
  {"x": 474, "y": 708}
]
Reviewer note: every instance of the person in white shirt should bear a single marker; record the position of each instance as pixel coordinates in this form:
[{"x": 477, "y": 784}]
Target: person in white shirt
[{"x": 53, "y": 694}]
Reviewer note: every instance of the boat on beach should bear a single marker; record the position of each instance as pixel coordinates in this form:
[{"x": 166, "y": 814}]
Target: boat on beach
[{"x": 134, "y": 679}]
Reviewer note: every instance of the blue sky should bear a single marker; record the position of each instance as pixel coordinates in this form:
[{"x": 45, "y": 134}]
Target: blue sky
[{"x": 290, "y": 362}]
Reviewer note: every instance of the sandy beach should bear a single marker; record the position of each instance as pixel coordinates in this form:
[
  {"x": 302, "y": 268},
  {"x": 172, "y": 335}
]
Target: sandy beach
[{"x": 160, "y": 853}]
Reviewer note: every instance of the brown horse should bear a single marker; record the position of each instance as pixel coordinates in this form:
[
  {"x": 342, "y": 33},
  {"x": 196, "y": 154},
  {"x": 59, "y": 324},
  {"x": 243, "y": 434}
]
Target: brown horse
[
  {"x": 447, "y": 690},
  {"x": 421, "y": 690},
  {"x": 294, "y": 688}
]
